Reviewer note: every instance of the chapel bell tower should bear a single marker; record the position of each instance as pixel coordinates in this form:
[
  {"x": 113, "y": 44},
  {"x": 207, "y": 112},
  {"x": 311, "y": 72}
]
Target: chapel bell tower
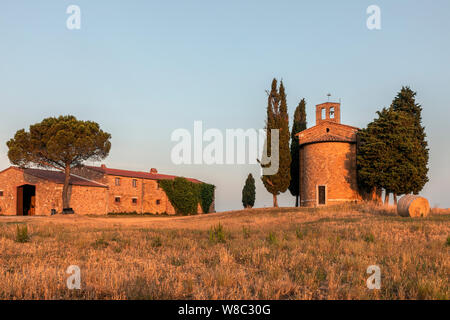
[{"x": 329, "y": 111}]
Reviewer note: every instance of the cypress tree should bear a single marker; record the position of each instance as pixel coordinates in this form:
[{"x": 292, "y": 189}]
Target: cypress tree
[
  {"x": 372, "y": 154},
  {"x": 298, "y": 125},
  {"x": 249, "y": 192},
  {"x": 414, "y": 144},
  {"x": 393, "y": 152},
  {"x": 380, "y": 153},
  {"x": 277, "y": 118}
]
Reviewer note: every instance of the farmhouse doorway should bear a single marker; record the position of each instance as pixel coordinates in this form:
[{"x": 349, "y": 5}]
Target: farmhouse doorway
[{"x": 26, "y": 200}]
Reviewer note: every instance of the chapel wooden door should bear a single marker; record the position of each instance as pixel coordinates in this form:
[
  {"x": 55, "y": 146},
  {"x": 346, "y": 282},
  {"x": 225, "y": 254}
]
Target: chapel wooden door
[{"x": 322, "y": 196}]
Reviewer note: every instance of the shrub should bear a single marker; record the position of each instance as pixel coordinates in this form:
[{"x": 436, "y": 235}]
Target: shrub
[
  {"x": 300, "y": 234},
  {"x": 22, "y": 234},
  {"x": 246, "y": 232},
  {"x": 217, "y": 234},
  {"x": 156, "y": 242},
  {"x": 131, "y": 213},
  {"x": 206, "y": 196},
  {"x": 134, "y": 213},
  {"x": 369, "y": 238},
  {"x": 320, "y": 275},
  {"x": 100, "y": 243},
  {"x": 177, "y": 261},
  {"x": 185, "y": 196},
  {"x": 271, "y": 238},
  {"x": 182, "y": 194}
]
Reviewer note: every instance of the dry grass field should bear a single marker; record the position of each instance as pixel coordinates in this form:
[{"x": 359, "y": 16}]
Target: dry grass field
[{"x": 254, "y": 254}]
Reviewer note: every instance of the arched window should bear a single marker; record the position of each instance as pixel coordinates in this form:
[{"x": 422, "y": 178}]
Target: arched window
[{"x": 332, "y": 113}]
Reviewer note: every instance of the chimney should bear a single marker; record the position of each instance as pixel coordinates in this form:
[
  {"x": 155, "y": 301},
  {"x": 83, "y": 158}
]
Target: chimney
[
  {"x": 103, "y": 166},
  {"x": 153, "y": 170}
]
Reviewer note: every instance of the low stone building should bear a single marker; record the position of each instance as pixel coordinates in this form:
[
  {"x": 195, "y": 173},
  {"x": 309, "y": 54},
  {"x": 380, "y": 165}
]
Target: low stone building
[
  {"x": 328, "y": 159},
  {"x": 93, "y": 190},
  {"x": 38, "y": 192}
]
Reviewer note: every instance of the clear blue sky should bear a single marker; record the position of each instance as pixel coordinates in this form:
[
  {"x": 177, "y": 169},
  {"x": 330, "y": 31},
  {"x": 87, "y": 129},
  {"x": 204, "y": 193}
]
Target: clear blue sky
[{"x": 144, "y": 68}]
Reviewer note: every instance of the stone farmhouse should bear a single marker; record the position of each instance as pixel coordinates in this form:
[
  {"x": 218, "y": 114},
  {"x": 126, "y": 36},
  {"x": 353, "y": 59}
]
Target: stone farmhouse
[
  {"x": 93, "y": 190},
  {"x": 328, "y": 159}
]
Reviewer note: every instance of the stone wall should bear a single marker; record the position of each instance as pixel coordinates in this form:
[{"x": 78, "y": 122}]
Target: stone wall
[
  {"x": 10, "y": 179},
  {"x": 88, "y": 200},
  {"x": 84, "y": 200},
  {"x": 331, "y": 164},
  {"x": 149, "y": 197},
  {"x": 142, "y": 196}
]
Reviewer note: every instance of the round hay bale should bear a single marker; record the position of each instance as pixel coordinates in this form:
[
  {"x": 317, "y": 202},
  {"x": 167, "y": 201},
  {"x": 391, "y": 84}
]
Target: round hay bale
[{"x": 413, "y": 206}]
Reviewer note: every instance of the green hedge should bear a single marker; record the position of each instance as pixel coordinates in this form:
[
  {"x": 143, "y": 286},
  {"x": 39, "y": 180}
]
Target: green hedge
[
  {"x": 206, "y": 196},
  {"x": 185, "y": 195},
  {"x": 135, "y": 213}
]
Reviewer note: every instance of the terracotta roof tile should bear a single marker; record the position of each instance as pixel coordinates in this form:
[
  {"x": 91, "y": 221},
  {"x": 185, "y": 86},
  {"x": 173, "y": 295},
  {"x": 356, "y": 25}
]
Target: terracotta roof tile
[
  {"x": 58, "y": 177},
  {"x": 137, "y": 174},
  {"x": 327, "y": 137}
]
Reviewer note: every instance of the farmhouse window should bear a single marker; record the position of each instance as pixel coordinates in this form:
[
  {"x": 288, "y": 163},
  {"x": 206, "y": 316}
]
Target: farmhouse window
[
  {"x": 158, "y": 201},
  {"x": 117, "y": 181},
  {"x": 1, "y": 193},
  {"x": 134, "y": 200},
  {"x": 134, "y": 183},
  {"x": 117, "y": 199}
]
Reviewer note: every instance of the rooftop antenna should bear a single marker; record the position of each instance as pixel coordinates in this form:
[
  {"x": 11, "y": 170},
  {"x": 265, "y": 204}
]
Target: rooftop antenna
[{"x": 328, "y": 95}]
